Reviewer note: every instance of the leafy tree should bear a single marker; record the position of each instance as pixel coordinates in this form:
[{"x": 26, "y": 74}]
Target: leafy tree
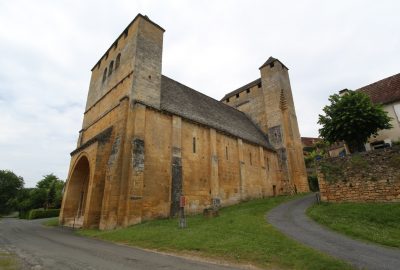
[
  {"x": 352, "y": 118},
  {"x": 47, "y": 181},
  {"x": 38, "y": 197},
  {"x": 51, "y": 195},
  {"x": 49, "y": 191},
  {"x": 10, "y": 186}
]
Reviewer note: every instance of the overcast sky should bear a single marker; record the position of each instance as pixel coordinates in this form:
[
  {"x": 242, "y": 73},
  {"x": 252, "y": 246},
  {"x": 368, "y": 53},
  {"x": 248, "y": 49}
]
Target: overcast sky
[{"x": 48, "y": 48}]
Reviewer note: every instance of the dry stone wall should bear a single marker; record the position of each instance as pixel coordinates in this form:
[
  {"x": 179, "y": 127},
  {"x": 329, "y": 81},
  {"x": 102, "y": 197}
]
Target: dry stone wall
[{"x": 366, "y": 177}]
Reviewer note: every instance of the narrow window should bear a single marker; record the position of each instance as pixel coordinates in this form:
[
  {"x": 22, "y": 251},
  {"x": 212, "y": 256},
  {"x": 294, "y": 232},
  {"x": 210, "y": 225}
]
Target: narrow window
[
  {"x": 226, "y": 152},
  {"x": 194, "y": 145},
  {"x": 237, "y": 95},
  {"x": 248, "y": 91},
  {"x": 105, "y": 75},
  {"x": 110, "y": 68},
  {"x": 259, "y": 85},
  {"x": 271, "y": 65},
  {"x": 250, "y": 159},
  {"x": 227, "y": 100},
  {"x": 117, "y": 61}
]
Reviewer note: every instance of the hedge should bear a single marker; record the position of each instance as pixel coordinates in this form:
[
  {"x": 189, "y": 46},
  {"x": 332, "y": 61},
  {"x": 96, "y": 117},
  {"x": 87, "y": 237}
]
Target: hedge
[{"x": 40, "y": 213}]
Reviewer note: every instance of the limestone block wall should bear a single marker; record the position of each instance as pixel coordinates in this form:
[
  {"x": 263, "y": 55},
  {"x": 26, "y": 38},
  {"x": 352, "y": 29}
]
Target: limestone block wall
[
  {"x": 367, "y": 177},
  {"x": 201, "y": 163}
]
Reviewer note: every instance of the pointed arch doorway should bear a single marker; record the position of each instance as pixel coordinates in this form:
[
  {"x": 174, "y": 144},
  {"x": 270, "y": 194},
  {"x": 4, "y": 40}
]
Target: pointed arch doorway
[{"x": 76, "y": 194}]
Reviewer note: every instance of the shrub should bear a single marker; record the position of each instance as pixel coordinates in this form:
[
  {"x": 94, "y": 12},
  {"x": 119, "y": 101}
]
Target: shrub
[
  {"x": 24, "y": 214},
  {"x": 332, "y": 172},
  {"x": 313, "y": 183},
  {"x": 41, "y": 213}
]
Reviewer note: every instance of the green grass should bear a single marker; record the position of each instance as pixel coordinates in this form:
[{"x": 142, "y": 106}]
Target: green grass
[
  {"x": 53, "y": 222},
  {"x": 375, "y": 222},
  {"x": 8, "y": 261},
  {"x": 240, "y": 234}
]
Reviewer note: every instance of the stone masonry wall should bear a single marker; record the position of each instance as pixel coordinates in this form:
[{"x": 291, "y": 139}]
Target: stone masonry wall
[{"x": 366, "y": 177}]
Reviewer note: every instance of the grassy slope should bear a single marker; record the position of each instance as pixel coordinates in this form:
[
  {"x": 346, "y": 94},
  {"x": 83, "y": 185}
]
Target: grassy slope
[
  {"x": 239, "y": 234},
  {"x": 376, "y": 222},
  {"x": 52, "y": 222}
]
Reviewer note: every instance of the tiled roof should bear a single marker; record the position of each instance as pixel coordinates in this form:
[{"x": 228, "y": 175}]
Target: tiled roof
[
  {"x": 183, "y": 101},
  {"x": 309, "y": 141},
  {"x": 383, "y": 91}
]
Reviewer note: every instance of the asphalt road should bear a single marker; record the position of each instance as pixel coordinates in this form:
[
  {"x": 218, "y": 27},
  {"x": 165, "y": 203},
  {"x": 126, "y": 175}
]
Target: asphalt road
[
  {"x": 290, "y": 218},
  {"x": 41, "y": 247}
]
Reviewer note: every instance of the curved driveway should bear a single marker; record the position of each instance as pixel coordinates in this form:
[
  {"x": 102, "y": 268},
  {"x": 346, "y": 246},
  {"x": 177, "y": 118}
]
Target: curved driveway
[
  {"x": 40, "y": 247},
  {"x": 290, "y": 218}
]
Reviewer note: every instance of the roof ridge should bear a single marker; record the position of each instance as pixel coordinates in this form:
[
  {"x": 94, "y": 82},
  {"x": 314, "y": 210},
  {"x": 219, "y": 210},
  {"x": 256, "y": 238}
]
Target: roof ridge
[
  {"x": 377, "y": 82},
  {"x": 211, "y": 98}
]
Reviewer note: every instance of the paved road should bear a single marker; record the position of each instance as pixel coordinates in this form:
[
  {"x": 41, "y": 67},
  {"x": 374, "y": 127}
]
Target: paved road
[
  {"x": 40, "y": 247},
  {"x": 290, "y": 218}
]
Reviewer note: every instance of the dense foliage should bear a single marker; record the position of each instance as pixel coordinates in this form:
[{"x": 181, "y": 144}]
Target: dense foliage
[
  {"x": 14, "y": 197},
  {"x": 352, "y": 118},
  {"x": 41, "y": 213},
  {"x": 10, "y": 186}
]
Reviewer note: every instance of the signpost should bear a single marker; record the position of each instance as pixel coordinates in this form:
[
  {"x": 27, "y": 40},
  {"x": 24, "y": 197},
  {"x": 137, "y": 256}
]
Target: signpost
[{"x": 182, "y": 218}]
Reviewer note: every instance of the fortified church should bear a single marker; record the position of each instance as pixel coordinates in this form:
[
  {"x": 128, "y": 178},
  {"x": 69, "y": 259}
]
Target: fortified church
[{"x": 147, "y": 139}]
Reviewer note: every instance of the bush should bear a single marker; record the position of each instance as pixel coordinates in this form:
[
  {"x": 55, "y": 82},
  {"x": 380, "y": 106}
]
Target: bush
[
  {"x": 41, "y": 213},
  {"x": 23, "y": 214},
  {"x": 313, "y": 183}
]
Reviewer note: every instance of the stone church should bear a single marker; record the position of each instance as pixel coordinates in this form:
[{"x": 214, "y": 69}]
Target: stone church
[{"x": 147, "y": 139}]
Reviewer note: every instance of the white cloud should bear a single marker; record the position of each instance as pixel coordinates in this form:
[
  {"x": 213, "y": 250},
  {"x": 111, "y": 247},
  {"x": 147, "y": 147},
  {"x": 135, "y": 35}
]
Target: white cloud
[{"x": 48, "y": 48}]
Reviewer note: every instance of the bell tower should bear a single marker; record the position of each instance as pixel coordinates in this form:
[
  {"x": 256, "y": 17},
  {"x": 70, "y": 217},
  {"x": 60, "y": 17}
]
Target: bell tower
[{"x": 281, "y": 121}]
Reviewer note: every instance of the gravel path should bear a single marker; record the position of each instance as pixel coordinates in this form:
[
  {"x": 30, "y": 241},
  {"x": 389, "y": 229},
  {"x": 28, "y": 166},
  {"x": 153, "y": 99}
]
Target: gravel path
[
  {"x": 290, "y": 218},
  {"x": 41, "y": 247}
]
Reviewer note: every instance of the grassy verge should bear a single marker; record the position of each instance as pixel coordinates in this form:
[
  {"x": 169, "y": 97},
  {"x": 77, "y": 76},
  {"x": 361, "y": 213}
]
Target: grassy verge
[
  {"x": 240, "y": 234},
  {"x": 375, "y": 222},
  {"x": 8, "y": 261},
  {"x": 52, "y": 222}
]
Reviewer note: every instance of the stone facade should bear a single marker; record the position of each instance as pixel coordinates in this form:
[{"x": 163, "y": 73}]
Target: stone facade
[
  {"x": 268, "y": 101},
  {"x": 367, "y": 177},
  {"x": 146, "y": 140}
]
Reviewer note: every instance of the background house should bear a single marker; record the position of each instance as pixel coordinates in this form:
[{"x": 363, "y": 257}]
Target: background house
[{"x": 387, "y": 93}]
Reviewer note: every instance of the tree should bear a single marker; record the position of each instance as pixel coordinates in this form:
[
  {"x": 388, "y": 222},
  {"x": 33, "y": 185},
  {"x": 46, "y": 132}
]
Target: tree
[
  {"x": 352, "y": 118},
  {"x": 49, "y": 191},
  {"x": 10, "y": 186}
]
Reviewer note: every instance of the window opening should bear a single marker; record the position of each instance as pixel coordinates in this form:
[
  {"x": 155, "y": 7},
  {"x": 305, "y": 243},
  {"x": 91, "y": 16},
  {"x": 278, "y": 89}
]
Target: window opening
[
  {"x": 117, "y": 61},
  {"x": 110, "y": 69},
  {"x": 105, "y": 75}
]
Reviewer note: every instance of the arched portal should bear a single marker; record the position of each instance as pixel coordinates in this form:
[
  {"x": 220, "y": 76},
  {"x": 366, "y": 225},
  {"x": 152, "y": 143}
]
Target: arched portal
[{"x": 76, "y": 194}]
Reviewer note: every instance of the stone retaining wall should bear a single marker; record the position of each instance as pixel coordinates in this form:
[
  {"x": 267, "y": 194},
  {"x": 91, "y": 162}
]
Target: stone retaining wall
[{"x": 366, "y": 177}]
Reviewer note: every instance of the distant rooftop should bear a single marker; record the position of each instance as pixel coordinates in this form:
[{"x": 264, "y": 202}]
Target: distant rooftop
[{"x": 384, "y": 91}]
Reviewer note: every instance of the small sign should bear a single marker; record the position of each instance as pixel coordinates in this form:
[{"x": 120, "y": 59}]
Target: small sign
[{"x": 182, "y": 201}]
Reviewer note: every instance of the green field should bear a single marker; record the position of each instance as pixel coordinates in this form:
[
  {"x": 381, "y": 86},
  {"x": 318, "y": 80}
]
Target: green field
[
  {"x": 240, "y": 234},
  {"x": 375, "y": 222}
]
